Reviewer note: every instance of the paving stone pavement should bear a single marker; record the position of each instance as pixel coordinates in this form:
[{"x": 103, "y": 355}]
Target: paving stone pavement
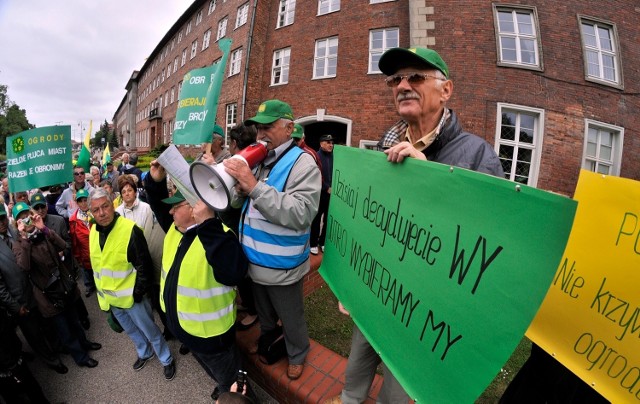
[{"x": 115, "y": 381}]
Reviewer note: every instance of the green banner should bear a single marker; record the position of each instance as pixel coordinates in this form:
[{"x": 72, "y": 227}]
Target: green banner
[
  {"x": 198, "y": 100},
  {"x": 442, "y": 268},
  {"x": 39, "y": 157}
]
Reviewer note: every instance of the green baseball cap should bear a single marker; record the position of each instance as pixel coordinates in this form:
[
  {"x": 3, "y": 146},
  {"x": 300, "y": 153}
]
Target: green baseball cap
[
  {"x": 38, "y": 199},
  {"x": 396, "y": 58},
  {"x": 298, "y": 132},
  {"x": 176, "y": 198},
  {"x": 217, "y": 130},
  {"x": 82, "y": 193},
  {"x": 270, "y": 111},
  {"x": 3, "y": 212},
  {"x": 19, "y": 208}
]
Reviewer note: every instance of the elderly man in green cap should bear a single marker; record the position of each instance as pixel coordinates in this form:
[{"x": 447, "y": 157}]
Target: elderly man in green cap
[
  {"x": 279, "y": 204},
  {"x": 428, "y": 130}
]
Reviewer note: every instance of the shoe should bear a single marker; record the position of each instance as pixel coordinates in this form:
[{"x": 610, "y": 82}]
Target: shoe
[
  {"x": 314, "y": 250},
  {"x": 89, "y": 363},
  {"x": 184, "y": 349},
  {"x": 295, "y": 371},
  {"x": 60, "y": 368},
  {"x": 89, "y": 292},
  {"x": 170, "y": 370},
  {"x": 334, "y": 400},
  {"x": 92, "y": 346},
  {"x": 85, "y": 323},
  {"x": 215, "y": 394},
  {"x": 244, "y": 327},
  {"x": 139, "y": 363}
]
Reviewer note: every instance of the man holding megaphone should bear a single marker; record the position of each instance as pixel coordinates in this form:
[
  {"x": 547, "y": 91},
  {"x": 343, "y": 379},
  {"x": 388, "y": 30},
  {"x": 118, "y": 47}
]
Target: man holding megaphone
[{"x": 278, "y": 206}]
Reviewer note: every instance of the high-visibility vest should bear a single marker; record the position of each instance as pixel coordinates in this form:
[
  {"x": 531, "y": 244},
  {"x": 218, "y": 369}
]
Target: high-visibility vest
[
  {"x": 115, "y": 276},
  {"x": 271, "y": 245},
  {"x": 205, "y": 308}
]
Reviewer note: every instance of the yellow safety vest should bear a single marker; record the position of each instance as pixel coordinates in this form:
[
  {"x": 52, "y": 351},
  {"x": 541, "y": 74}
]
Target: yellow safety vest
[
  {"x": 205, "y": 307},
  {"x": 115, "y": 276}
]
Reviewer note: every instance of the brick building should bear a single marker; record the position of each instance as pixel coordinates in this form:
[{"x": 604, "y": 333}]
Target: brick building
[{"x": 554, "y": 86}]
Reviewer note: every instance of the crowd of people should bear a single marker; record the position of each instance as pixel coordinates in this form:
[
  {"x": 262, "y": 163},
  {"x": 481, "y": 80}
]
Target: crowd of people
[{"x": 139, "y": 245}]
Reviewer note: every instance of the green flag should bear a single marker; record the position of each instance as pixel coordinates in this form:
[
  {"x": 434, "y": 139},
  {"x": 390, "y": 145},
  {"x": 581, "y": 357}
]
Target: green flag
[
  {"x": 198, "y": 100},
  {"x": 39, "y": 157},
  {"x": 106, "y": 158},
  {"x": 441, "y": 268},
  {"x": 84, "y": 158}
]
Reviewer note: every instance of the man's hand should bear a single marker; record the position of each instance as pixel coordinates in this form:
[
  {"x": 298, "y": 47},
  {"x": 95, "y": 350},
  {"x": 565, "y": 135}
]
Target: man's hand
[
  {"x": 202, "y": 212},
  {"x": 37, "y": 221},
  {"x": 208, "y": 159},
  {"x": 402, "y": 150},
  {"x": 239, "y": 170},
  {"x": 156, "y": 171},
  {"x": 343, "y": 310}
]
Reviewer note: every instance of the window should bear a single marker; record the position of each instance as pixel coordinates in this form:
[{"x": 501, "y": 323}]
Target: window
[
  {"x": 175, "y": 64},
  {"x": 188, "y": 30},
  {"x": 206, "y": 39},
  {"x": 517, "y": 36},
  {"x": 519, "y": 142},
  {"x": 231, "y": 116},
  {"x": 179, "y": 36},
  {"x": 369, "y": 144},
  {"x": 162, "y": 76},
  {"x": 199, "y": 17},
  {"x": 286, "y": 12},
  {"x": 603, "y": 148},
  {"x": 168, "y": 70},
  {"x": 222, "y": 28},
  {"x": 234, "y": 65},
  {"x": 166, "y": 98},
  {"x": 243, "y": 13},
  {"x": 184, "y": 57},
  {"x": 379, "y": 1},
  {"x": 379, "y": 41},
  {"x": 212, "y": 6},
  {"x": 172, "y": 95},
  {"x": 173, "y": 43},
  {"x": 325, "y": 62},
  {"x": 194, "y": 49},
  {"x": 179, "y": 89},
  {"x": 328, "y": 6},
  {"x": 600, "y": 47},
  {"x": 280, "y": 67}
]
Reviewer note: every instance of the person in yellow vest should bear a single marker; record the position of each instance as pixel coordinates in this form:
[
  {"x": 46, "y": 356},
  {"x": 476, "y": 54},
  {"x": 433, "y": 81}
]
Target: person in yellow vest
[
  {"x": 202, "y": 262},
  {"x": 123, "y": 270}
]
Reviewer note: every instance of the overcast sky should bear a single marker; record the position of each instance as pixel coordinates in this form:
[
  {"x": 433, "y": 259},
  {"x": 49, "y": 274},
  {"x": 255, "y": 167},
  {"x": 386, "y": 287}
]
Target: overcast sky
[{"x": 67, "y": 62}]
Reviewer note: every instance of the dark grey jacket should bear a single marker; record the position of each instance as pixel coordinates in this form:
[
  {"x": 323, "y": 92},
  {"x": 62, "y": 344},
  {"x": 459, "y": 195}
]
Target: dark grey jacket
[{"x": 15, "y": 289}]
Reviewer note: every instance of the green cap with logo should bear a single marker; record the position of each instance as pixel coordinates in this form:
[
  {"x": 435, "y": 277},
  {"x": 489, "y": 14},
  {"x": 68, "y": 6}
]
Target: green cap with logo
[
  {"x": 217, "y": 131},
  {"x": 82, "y": 193},
  {"x": 298, "y": 132},
  {"x": 397, "y": 58},
  {"x": 38, "y": 199},
  {"x": 270, "y": 111},
  {"x": 19, "y": 208},
  {"x": 176, "y": 198}
]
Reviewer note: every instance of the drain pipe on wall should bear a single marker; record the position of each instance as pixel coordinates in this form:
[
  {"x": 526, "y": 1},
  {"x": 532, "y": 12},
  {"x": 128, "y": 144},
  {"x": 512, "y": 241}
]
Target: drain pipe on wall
[{"x": 246, "y": 64}]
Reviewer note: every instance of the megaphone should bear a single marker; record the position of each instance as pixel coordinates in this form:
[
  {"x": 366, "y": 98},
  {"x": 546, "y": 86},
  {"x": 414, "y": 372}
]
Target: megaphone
[{"x": 213, "y": 184}]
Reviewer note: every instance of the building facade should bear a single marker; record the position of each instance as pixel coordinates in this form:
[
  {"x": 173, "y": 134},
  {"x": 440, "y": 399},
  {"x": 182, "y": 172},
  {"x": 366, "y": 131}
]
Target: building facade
[{"x": 554, "y": 87}]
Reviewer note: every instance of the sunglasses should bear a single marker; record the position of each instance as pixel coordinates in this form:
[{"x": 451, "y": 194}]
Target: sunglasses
[
  {"x": 412, "y": 78},
  {"x": 78, "y": 173}
]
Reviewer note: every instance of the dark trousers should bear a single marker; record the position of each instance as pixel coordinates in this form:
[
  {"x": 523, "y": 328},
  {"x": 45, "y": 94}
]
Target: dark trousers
[
  {"x": 71, "y": 333},
  {"x": 222, "y": 366},
  {"x": 246, "y": 295},
  {"x": 33, "y": 326},
  {"x": 319, "y": 225},
  {"x": 21, "y": 387}
]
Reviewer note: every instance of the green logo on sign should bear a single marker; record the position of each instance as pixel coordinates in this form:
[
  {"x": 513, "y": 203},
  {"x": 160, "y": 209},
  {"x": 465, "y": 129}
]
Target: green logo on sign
[{"x": 18, "y": 144}]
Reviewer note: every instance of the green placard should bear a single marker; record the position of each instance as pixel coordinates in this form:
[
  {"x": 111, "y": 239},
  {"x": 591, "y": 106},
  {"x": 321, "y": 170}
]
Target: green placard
[
  {"x": 198, "y": 100},
  {"x": 442, "y": 268},
  {"x": 39, "y": 157}
]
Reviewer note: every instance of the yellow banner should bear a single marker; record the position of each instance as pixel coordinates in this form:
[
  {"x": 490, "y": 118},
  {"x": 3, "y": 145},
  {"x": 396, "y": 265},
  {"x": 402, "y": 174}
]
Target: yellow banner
[{"x": 590, "y": 318}]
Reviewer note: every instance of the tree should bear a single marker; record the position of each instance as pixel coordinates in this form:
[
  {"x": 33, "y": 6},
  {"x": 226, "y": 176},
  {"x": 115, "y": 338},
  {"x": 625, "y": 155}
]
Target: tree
[
  {"x": 13, "y": 119},
  {"x": 107, "y": 134}
]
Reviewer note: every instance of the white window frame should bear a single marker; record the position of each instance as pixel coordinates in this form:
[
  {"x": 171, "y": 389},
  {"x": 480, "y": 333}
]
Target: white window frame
[
  {"x": 518, "y": 36},
  {"x": 222, "y": 29},
  {"x": 379, "y": 1},
  {"x": 234, "y": 62},
  {"x": 166, "y": 98},
  {"x": 199, "y": 17},
  {"x": 377, "y": 52},
  {"x": 330, "y": 6},
  {"x": 600, "y": 52},
  {"x": 286, "y": 13},
  {"x": 212, "y": 6},
  {"x": 188, "y": 30},
  {"x": 231, "y": 116},
  {"x": 172, "y": 95},
  {"x": 175, "y": 64},
  {"x": 617, "y": 145},
  {"x": 280, "y": 66},
  {"x": 194, "y": 49},
  {"x": 179, "y": 36},
  {"x": 169, "y": 70},
  {"x": 242, "y": 15},
  {"x": 206, "y": 39},
  {"x": 369, "y": 144},
  {"x": 184, "y": 57},
  {"x": 535, "y": 147},
  {"x": 326, "y": 58}
]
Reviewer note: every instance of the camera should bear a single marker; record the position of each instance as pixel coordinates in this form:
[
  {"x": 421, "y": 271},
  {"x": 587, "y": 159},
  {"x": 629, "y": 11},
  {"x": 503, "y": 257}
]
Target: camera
[{"x": 26, "y": 221}]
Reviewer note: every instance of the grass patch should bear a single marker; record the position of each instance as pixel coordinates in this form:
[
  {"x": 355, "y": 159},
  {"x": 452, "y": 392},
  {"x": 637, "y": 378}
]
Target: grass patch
[{"x": 333, "y": 330}]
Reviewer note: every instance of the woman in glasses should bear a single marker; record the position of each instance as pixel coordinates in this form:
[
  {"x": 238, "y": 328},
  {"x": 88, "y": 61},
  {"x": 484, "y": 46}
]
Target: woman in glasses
[{"x": 66, "y": 204}]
